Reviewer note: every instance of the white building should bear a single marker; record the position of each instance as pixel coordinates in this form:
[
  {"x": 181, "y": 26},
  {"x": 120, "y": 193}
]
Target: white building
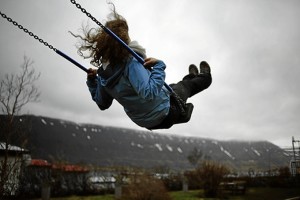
[
  {"x": 295, "y": 167},
  {"x": 11, "y": 160}
]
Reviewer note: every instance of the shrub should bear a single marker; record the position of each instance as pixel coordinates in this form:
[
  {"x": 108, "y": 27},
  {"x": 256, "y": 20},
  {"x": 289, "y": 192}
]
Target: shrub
[
  {"x": 210, "y": 175},
  {"x": 145, "y": 187}
]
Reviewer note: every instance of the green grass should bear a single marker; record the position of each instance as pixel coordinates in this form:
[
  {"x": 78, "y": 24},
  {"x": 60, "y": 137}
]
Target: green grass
[
  {"x": 268, "y": 193},
  {"x": 100, "y": 197},
  {"x": 191, "y": 195},
  {"x": 251, "y": 194}
]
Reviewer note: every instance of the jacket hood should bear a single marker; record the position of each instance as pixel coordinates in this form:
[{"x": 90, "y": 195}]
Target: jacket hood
[
  {"x": 111, "y": 75},
  {"x": 137, "y": 48}
]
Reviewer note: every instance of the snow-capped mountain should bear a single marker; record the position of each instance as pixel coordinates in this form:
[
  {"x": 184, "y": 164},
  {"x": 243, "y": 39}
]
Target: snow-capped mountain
[{"x": 60, "y": 140}]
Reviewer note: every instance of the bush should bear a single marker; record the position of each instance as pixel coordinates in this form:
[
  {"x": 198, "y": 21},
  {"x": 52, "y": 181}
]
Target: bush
[
  {"x": 210, "y": 175},
  {"x": 145, "y": 187}
]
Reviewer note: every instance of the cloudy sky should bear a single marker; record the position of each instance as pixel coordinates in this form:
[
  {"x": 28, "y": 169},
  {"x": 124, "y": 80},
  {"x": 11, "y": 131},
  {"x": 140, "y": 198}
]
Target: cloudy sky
[{"x": 252, "y": 46}]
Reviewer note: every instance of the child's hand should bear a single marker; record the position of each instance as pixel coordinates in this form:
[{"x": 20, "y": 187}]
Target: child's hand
[
  {"x": 150, "y": 62},
  {"x": 92, "y": 73}
]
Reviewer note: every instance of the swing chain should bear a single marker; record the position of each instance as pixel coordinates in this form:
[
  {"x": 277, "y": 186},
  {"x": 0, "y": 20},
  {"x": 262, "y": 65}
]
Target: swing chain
[
  {"x": 87, "y": 13},
  {"x": 28, "y": 32},
  {"x": 179, "y": 101}
]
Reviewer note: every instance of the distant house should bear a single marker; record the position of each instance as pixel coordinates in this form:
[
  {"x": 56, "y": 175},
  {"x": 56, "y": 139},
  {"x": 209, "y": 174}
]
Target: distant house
[
  {"x": 295, "y": 157},
  {"x": 14, "y": 157},
  {"x": 39, "y": 163},
  {"x": 62, "y": 179},
  {"x": 295, "y": 167},
  {"x": 70, "y": 168},
  {"x": 101, "y": 182}
]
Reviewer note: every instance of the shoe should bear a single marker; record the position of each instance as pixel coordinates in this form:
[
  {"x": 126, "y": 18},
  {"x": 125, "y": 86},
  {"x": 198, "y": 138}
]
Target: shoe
[
  {"x": 193, "y": 69},
  {"x": 204, "y": 68}
]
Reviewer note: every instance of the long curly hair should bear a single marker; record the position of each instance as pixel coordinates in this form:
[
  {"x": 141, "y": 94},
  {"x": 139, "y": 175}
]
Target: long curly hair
[{"x": 101, "y": 47}]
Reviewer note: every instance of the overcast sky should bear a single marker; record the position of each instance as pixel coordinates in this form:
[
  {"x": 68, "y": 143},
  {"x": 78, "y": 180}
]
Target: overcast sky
[{"x": 252, "y": 46}]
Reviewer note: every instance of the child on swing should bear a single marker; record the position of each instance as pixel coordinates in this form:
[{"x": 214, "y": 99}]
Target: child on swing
[{"x": 138, "y": 88}]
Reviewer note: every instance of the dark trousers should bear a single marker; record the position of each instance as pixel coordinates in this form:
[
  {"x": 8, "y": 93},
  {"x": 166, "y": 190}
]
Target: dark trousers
[
  {"x": 191, "y": 85},
  {"x": 188, "y": 87}
]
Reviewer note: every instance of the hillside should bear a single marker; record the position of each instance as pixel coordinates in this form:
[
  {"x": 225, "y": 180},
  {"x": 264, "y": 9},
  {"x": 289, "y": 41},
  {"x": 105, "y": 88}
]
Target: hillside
[{"x": 60, "y": 140}]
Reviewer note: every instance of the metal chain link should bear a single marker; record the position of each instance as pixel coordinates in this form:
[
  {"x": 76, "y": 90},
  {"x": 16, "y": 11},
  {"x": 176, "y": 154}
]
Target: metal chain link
[
  {"x": 179, "y": 101},
  {"x": 27, "y": 31},
  {"x": 87, "y": 13}
]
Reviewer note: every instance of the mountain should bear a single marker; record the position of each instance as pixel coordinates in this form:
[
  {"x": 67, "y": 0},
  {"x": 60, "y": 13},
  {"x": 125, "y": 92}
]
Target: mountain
[{"x": 59, "y": 140}]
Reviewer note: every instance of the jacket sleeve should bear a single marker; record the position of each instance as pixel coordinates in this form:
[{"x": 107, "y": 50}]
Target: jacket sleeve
[
  {"x": 147, "y": 84},
  {"x": 99, "y": 95}
]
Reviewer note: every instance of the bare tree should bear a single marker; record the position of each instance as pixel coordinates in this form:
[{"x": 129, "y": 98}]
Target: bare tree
[
  {"x": 195, "y": 156},
  {"x": 16, "y": 90}
]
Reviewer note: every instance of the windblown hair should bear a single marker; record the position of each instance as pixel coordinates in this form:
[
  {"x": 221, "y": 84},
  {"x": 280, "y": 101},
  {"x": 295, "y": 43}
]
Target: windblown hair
[{"x": 101, "y": 47}]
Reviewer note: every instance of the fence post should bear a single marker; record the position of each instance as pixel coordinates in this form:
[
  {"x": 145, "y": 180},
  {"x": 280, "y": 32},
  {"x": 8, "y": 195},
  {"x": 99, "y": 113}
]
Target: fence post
[
  {"x": 46, "y": 191},
  {"x": 118, "y": 190},
  {"x": 185, "y": 185}
]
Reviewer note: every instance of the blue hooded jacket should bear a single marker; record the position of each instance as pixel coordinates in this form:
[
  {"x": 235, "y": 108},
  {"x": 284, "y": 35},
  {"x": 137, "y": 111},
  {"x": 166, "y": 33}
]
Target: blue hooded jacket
[{"x": 141, "y": 92}]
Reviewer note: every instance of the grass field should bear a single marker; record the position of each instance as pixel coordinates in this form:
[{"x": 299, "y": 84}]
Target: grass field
[{"x": 251, "y": 194}]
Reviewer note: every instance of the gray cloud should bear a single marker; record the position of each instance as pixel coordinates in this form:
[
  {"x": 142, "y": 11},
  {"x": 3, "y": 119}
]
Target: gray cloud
[{"x": 252, "y": 47}]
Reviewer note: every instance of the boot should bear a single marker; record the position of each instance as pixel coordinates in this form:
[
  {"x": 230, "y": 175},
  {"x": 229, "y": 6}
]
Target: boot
[
  {"x": 193, "y": 69},
  {"x": 204, "y": 68}
]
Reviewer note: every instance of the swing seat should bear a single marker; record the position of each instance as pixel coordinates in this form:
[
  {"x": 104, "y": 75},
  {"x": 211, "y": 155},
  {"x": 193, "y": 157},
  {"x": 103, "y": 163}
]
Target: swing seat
[{"x": 184, "y": 118}]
